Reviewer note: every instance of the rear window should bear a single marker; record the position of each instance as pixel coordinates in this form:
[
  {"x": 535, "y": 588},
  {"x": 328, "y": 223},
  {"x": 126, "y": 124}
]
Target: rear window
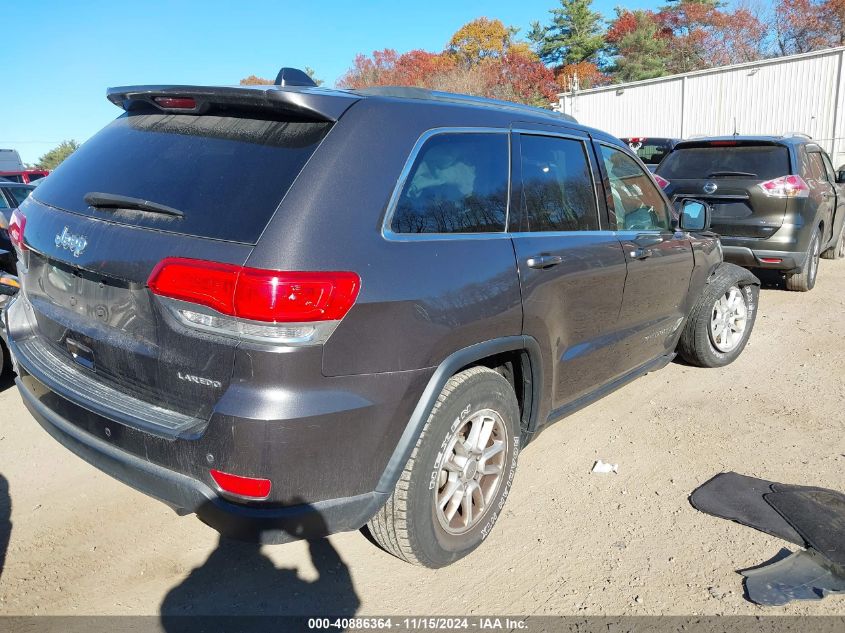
[
  {"x": 757, "y": 162},
  {"x": 226, "y": 174},
  {"x": 650, "y": 151}
]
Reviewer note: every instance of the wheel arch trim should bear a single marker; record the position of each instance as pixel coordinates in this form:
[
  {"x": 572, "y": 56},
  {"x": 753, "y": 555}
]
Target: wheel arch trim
[{"x": 444, "y": 371}]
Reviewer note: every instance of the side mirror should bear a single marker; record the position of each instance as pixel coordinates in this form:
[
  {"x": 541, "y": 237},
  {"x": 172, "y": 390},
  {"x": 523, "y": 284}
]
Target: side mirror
[
  {"x": 840, "y": 176},
  {"x": 694, "y": 216}
]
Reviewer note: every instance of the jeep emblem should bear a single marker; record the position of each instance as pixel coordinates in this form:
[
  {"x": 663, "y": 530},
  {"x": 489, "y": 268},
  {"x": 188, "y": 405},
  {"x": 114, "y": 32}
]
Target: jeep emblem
[
  {"x": 74, "y": 243},
  {"x": 710, "y": 187}
]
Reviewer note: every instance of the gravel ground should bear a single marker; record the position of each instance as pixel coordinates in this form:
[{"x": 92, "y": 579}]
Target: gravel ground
[{"x": 569, "y": 542}]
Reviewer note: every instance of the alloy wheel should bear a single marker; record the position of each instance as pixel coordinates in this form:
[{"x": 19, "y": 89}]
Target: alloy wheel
[
  {"x": 471, "y": 471},
  {"x": 728, "y": 320}
]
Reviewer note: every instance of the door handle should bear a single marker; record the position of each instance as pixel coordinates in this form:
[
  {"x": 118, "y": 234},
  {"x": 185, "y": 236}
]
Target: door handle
[
  {"x": 543, "y": 261},
  {"x": 641, "y": 253}
]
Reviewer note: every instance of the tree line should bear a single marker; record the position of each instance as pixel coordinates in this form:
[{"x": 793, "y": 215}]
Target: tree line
[{"x": 487, "y": 58}]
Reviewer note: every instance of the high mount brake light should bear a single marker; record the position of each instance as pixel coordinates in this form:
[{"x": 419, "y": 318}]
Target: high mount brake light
[
  {"x": 176, "y": 103},
  {"x": 723, "y": 143},
  {"x": 249, "y": 487},
  {"x": 289, "y": 307},
  {"x": 661, "y": 181},
  {"x": 791, "y": 186},
  {"x": 17, "y": 225}
]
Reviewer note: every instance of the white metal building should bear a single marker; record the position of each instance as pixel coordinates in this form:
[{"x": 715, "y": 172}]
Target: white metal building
[{"x": 798, "y": 93}]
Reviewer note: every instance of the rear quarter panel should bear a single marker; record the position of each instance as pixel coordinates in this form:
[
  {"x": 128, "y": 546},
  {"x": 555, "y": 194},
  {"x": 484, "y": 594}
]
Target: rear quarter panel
[{"x": 420, "y": 300}]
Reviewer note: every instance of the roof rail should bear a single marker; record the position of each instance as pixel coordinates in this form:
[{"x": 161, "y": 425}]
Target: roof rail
[
  {"x": 801, "y": 134},
  {"x": 412, "y": 92},
  {"x": 294, "y": 77}
]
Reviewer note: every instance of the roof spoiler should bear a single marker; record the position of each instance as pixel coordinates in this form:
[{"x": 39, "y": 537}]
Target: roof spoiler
[{"x": 297, "y": 99}]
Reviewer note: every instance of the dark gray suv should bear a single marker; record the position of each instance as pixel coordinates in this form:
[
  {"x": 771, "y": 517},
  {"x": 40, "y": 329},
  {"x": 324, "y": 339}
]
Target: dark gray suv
[
  {"x": 777, "y": 202},
  {"x": 295, "y": 311}
]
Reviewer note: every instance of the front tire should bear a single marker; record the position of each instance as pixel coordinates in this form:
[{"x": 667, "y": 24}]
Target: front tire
[
  {"x": 806, "y": 279},
  {"x": 721, "y": 322},
  {"x": 459, "y": 475}
]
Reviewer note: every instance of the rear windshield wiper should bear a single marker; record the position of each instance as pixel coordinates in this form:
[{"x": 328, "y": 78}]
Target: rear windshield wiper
[
  {"x": 113, "y": 201},
  {"x": 718, "y": 174}
]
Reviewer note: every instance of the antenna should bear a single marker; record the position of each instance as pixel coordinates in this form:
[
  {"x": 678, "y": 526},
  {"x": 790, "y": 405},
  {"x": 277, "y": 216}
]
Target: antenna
[
  {"x": 736, "y": 132},
  {"x": 293, "y": 77}
]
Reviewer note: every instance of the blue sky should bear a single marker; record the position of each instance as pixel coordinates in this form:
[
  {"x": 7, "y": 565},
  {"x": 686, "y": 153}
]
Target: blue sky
[{"x": 60, "y": 56}]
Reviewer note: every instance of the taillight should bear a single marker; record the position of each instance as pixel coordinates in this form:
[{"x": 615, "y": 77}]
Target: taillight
[
  {"x": 791, "y": 186},
  {"x": 249, "y": 487},
  {"x": 176, "y": 103},
  {"x": 661, "y": 181},
  {"x": 288, "y": 307},
  {"x": 17, "y": 224}
]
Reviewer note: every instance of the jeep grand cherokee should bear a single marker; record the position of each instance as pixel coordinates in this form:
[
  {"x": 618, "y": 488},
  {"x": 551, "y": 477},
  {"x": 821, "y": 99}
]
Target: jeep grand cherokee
[{"x": 296, "y": 311}]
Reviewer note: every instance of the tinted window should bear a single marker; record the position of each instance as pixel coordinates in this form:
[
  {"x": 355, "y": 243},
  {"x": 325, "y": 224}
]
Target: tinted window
[
  {"x": 557, "y": 186},
  {"x": 34, "y": 177},
  {"x": 764, "y": 162},
  {"x": 636, "y": 201},
  {"x": 458, "y": 184},
  {"x": 20, "y": 193},
  {"x": 651, "y": 151},
  {"x": 3, "y": 203},
  {"x": 13, "y": 177},
  {"x": 226, "y": 174}
]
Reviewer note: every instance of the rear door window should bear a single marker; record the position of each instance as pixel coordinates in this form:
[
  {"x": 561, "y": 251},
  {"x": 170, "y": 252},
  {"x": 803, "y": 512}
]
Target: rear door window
[
  {"x": 227, "y": 174},
  {"x": 758, "y": 162},
  {"x": 557, "y": 185},
  {"x": 457, "y": 184}
]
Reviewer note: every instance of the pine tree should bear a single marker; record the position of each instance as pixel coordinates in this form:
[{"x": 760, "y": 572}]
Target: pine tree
[{"x": 574, "y": 35}]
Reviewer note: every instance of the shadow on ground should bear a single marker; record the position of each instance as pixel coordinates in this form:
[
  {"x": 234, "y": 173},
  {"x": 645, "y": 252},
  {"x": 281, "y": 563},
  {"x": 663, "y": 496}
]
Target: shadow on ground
[
  {"x": 5, "y": 520},
  {"x": 238, "y": 580}
]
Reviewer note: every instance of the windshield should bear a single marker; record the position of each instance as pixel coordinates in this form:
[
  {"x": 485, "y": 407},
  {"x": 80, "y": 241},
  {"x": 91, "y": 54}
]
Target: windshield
[
  {"x": 757, "y": 162},
  {"x": 226, "y": 174}
]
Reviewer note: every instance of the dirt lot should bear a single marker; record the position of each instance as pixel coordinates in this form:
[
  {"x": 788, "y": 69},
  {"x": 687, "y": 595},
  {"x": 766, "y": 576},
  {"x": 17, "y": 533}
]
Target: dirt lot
[{"x": 569, "y": 543}]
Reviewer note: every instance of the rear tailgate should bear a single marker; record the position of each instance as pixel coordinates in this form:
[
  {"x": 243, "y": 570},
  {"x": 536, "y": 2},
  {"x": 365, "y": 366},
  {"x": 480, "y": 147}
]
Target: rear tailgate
[
  {"x": 86, "y": 271},
  {"x": 728, "y": 176}
]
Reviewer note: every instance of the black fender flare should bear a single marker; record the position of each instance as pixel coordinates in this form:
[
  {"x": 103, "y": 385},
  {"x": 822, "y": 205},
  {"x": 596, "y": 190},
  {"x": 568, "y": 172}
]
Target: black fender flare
[{"x": 445, "y": 370}]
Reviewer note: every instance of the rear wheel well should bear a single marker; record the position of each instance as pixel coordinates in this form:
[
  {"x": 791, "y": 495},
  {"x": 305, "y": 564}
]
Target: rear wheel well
[{"x": 515, "y": 367}]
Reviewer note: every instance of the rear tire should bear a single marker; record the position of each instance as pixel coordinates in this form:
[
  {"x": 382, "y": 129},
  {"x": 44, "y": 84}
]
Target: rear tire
[
  {"x": 449, "y": 495},
  {"x": 720, "y": 324},
  {"x": 837, "y": 251},
  {"x": 806, "y": 279}
]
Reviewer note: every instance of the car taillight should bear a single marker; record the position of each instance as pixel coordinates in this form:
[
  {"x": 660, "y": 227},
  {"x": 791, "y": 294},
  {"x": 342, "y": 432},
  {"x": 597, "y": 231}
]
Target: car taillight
[
  {"x": 176, "y": 103},
  {"x": 249, "y": 487},
  {"x": 288, "y": 307},
  {"x": 17, "y": 224},
  {"x": 661, "y": 181},
  {"x": 791, "y": 186}
]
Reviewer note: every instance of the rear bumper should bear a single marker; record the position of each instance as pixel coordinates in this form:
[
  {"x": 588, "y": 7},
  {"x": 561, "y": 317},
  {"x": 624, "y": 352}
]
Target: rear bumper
[
  {"x": 189, "y": 495},
  {"x": 790, "y": 261}
]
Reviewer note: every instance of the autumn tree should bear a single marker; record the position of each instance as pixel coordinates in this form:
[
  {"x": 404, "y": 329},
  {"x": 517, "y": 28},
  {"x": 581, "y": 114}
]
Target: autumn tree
[
  {"x": 638, "y": 45},
  {"x": 479, "y": 40},
  {"x": 573, "y": 36},
  {"x": 482, "y": 58},
  {"x": 802, "y": 26},
  {"x": 55, "y": 156}
]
